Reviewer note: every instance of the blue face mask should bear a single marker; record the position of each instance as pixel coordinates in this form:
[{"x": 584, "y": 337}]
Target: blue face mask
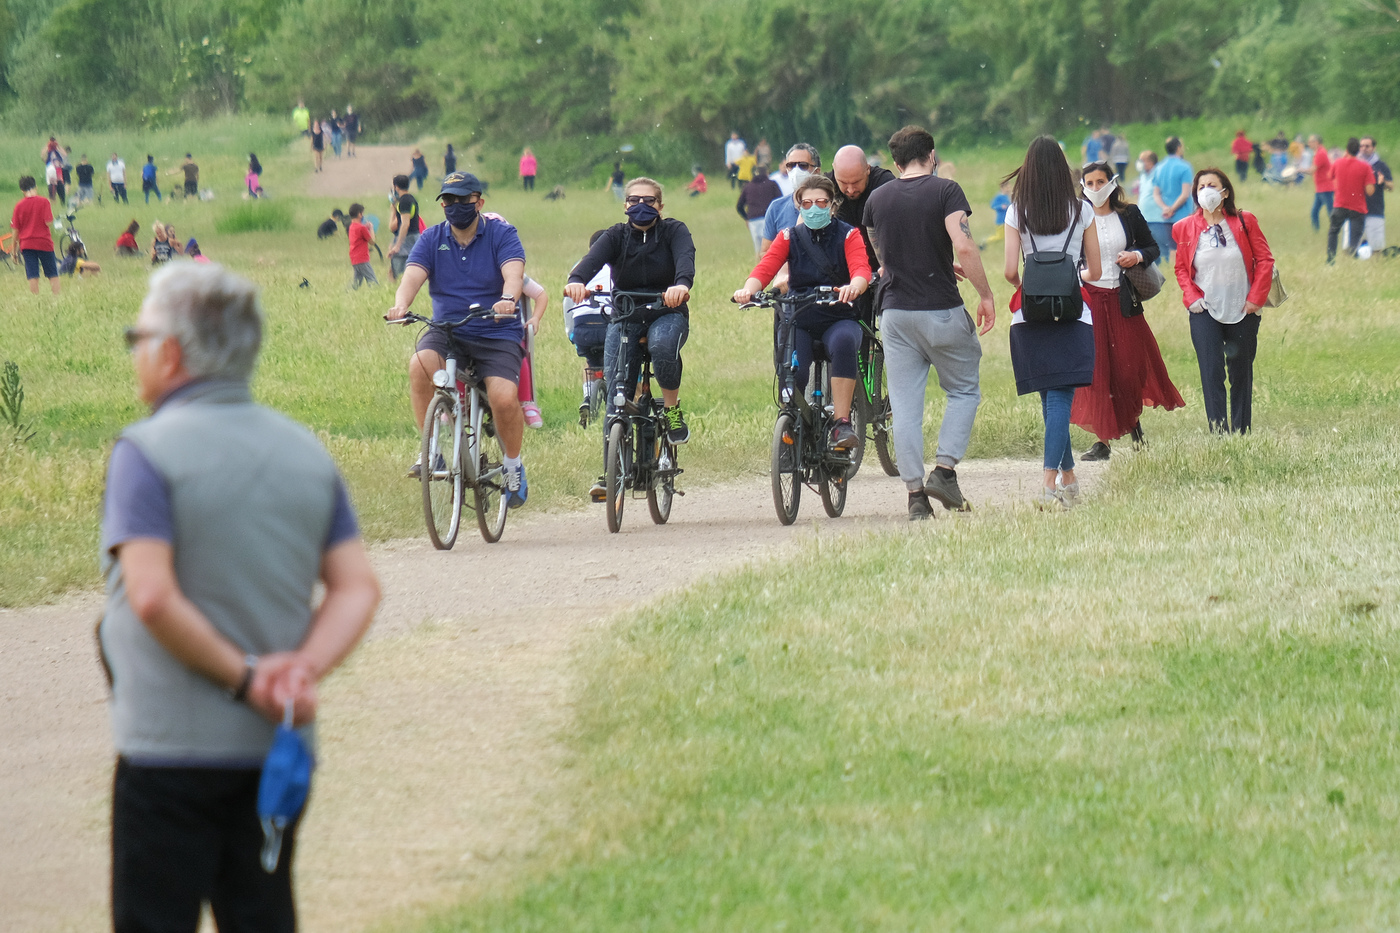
[
  {"x": 816, "y": 217},
  {"x": 642, "y": 214},
  {"x": 460, "y": 215}
]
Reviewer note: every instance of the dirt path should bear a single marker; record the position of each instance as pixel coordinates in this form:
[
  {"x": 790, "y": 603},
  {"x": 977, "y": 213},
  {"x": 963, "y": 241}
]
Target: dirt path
[
  {"x": 368, "y": 174},
  {"x": 441, "y": 766}
]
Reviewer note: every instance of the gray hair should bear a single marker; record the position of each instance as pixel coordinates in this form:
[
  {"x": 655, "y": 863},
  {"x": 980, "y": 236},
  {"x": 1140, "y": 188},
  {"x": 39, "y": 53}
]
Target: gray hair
[
  {"x": 810, "y": 149},
  {"x": 213, "y": 314}
]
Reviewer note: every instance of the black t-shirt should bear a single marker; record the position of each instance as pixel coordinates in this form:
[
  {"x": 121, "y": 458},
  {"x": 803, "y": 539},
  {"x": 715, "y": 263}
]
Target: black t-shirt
[
  {"x": 1375, "y": 203},
  {"x": 906, "y": 217},
  {"x": 407, "y": 209},
  {"x": 852, "y": 210},
  {"x": 618, "y": 178},
  {"x": 84, "y": 174}
]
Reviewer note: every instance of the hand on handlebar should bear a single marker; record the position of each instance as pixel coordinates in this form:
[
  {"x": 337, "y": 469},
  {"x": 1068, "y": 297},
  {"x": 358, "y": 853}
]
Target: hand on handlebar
[
  {"x": 576, "y": 292},
  {"x": 743, "y": 296},
  {"x": 676, "y": 296},
  {"x": 395, "y": 313},
  {"x": 505, "y": 308},
  {"x": 849, "y": 292}
]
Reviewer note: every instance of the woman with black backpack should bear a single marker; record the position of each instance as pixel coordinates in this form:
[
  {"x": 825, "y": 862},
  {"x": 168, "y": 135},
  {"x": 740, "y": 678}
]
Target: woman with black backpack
[
  {"x": 1128, "y": 370},
  {"x": 1052, "y": 334}
]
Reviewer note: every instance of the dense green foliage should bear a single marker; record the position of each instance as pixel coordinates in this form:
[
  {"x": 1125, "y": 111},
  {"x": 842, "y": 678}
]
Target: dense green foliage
[{"x": 587, "y": 72}]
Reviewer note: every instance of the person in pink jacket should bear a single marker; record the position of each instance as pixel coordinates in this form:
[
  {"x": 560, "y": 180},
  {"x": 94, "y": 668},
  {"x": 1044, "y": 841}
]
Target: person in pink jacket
[
  {"x": 1225, "y": 270},
  {"x": 528, "y": 165}
]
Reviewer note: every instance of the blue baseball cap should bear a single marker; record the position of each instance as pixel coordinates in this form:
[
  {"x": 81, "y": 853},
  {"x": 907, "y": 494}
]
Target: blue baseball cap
[{"x": 461, "y": 184}]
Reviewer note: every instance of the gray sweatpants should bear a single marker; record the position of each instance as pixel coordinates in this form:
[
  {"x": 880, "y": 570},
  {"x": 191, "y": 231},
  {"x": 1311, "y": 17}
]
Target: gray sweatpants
[
  {"x": 364, "y": 272},
  {"x": 914, "y": 341}
]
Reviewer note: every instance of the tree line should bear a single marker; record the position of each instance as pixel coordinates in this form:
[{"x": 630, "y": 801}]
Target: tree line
[{"x": 587, "y": 73}]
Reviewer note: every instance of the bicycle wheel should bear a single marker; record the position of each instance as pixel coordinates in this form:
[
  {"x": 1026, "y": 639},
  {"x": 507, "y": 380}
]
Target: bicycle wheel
[
  {"x": 615, "y": 474},
  {"x": 62, "y": 250},
  {"x": 786, "y": 468},
  {"x": 878, "y": 415},
  {"x": 597, "y": 400},
  {"x": 489, "y": 493},
  {"x": 441, "y": 474},
  {"x": 833, "y": 491},
  {"x": 662, "y": 488}
]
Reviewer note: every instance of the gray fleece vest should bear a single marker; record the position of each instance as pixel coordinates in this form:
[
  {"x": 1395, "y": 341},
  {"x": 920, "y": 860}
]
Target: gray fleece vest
[{"x": 252, "y": 495}]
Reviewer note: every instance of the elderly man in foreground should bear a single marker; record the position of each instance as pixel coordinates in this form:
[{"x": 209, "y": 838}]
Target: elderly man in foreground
[{"x": 220, "y": 517}]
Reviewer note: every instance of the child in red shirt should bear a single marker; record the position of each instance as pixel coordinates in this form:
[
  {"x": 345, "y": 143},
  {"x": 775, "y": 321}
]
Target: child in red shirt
[
  {"x": 361, "y": 236},
  {"x": 697, "y": 186},
  {"x": 31, "y": 219},
  {"x": 126, "y": 243}
]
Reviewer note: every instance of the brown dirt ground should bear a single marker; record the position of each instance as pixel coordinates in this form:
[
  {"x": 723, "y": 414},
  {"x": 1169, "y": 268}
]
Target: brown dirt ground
[
  {"x": 368, "y": 174},
  {"x": 444, "y": 768}
]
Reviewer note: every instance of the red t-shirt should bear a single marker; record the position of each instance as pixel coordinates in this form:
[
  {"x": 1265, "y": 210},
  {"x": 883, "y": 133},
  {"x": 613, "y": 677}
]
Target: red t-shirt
[
  {"x": 31, "y": 221},
  {"x": 1241, "y": 148},
  {"x": 128, "y": 240},
  {"x": 1351, "y": 176},
  {"x": 1322, "y": 171},
  {"x": 361, "y": 236}
]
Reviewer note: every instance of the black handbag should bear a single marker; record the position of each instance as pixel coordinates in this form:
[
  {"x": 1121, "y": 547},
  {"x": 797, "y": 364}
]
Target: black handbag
[{"x": 1050, "y": 286}]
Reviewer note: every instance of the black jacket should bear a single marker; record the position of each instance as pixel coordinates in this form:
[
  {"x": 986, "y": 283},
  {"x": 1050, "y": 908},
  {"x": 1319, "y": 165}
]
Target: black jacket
[
  {"x": 852, "y": 210},
  {"x": 1139, "y": 238},
  {"x": 642, "y": 260}
]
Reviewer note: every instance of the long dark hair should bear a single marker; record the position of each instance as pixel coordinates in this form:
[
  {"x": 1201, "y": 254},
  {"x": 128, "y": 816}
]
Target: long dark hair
[
  {"x": 1227, "y": 187},
  {"x": 1115, "y": 198},
  {"x": 254, "y": 165},
  {"x": 1044, "y": 192}
]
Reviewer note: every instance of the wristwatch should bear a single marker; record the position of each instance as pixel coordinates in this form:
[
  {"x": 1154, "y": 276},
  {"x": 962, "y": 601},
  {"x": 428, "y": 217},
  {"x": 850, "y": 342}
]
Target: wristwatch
[
  {"x": 509, "y": 298},
  {"x": 240, "y": 693}
]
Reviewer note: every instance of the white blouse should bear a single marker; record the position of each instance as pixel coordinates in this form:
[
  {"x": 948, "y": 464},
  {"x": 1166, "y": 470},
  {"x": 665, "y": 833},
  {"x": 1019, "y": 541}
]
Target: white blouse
[
  {"x": 1084, "y": 216},
  {"x": 1221, "y": 275},
  {"x": 1113, "y": 239}
]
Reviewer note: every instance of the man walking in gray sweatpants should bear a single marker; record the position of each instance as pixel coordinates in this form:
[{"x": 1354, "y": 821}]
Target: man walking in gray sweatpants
[{"x": 918, "y": 222}]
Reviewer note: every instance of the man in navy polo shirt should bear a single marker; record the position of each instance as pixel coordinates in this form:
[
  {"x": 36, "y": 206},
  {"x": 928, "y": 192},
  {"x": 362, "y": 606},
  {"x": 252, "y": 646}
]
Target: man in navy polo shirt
[{"x": 470, "y": 259}]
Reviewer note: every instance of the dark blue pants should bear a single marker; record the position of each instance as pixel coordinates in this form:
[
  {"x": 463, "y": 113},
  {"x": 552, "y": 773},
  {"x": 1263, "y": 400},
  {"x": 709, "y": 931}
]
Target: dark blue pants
[
  {"x": 665, "y": 337},
  {"x": 1223, "y": 349}
]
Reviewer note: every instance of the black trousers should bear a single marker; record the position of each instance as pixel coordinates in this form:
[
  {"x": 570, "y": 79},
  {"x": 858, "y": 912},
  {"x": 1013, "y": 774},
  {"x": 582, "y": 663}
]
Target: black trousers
[
  {"x": 1222, "y": 349},
  {"x": 1341, "y": 216},
  {"x": 183, "y": 836}
]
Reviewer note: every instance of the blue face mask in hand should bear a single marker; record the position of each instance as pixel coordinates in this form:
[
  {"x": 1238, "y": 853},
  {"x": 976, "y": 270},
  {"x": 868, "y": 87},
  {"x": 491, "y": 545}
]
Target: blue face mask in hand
[
  {"x": 460, "y": 215},
  {"x": 642, "y": 214},
  {"x": 815, "y": 217}
]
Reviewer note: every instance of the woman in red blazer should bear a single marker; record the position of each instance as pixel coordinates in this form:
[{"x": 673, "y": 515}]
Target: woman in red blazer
[{"x": 1225, "y": 270}]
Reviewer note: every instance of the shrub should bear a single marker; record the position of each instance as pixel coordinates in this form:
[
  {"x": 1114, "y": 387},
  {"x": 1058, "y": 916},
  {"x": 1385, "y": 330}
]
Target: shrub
[{"x": 259, "y": 216}]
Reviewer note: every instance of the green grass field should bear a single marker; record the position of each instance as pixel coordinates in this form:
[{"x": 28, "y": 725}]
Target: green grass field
[{"x": 1172, "y": 708}]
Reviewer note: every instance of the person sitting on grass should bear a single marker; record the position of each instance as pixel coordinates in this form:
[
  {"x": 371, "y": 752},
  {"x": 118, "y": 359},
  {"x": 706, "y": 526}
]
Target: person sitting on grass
[
  {"x": 126, "y": 243},
  {"x": 161, "y": 249},
  {"x": 192, "y": 251},
  {"x": 331, "y": 224},
  {"x": 74, "y": 263}
]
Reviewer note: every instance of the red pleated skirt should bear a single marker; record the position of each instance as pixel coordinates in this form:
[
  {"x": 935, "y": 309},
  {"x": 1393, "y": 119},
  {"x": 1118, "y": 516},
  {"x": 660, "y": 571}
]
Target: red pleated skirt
[{"x": 1129, "y": 374}]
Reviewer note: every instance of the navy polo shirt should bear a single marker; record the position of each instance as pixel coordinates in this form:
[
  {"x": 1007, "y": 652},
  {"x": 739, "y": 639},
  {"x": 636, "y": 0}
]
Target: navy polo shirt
[{"x": 459, "y": 277}]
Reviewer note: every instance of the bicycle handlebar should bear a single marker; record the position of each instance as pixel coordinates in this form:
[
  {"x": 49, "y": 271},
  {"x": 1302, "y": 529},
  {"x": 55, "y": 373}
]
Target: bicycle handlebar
[
  {"x": 475, "y": 313},
  {"x": 772, "y": 297}
]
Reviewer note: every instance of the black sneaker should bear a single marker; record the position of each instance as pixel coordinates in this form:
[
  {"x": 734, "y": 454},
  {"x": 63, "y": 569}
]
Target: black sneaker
[
  {"x": 843, "y": 435},
  {"x": 919, "y": 508},
  {"x": 1100, "y": 451},
  {"x": 677, "y": 431},
  {"x": 943, "y": 485},
  {"x": 1139, "y": 439},
  {"x": 599, "y": 492}
]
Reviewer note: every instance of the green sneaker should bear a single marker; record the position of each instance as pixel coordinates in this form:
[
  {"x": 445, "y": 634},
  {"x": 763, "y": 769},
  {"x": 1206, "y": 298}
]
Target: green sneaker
[{"x": 677, "y": 431}]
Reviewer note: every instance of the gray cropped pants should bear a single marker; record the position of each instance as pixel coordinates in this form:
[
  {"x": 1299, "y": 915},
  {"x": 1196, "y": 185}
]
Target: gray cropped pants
[{"x": 915, "y": 340}]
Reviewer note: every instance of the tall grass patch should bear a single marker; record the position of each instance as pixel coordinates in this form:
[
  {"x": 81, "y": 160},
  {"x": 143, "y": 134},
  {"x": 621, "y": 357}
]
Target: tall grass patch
[{"x": 260, "y": 216}]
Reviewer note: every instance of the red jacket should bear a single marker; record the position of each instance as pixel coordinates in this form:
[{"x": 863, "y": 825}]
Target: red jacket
[{"x": 1258, "y": 260}]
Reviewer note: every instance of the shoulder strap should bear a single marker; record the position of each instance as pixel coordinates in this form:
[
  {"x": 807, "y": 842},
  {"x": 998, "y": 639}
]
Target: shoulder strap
[{"x": 809, "y": 247}]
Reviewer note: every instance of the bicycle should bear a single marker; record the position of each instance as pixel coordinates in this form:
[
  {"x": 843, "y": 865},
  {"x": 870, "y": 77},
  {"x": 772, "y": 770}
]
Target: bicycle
[
  {"x": 800, "y": 453},
  {"x": 873, "y": 402},
  {"x": 9, "y": 252},
  {"x": 71, "y": 236},
  {"x": 637, "y": 455},
  {"x": 460, "y": 448}
]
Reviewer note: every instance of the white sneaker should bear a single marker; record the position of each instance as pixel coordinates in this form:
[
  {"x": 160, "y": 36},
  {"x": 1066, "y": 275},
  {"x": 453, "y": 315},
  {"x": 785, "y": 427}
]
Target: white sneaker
[
  {"x": 1069, "y": 495},
  {"x": 1049, "y": 500}
]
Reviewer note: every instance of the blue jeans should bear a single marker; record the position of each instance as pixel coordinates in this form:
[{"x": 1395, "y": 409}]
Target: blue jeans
[
  {"x": 665, "y": 336},
  {"x": 1054, "y": 408},
  {"x": 1320, "y": 200},
  {"x": 1162, "y": 233}
]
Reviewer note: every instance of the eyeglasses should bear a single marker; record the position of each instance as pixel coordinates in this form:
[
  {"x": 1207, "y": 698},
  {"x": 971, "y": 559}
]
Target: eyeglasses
[
  {"x": 459, "y": 199},
  {"x": 814, "y": 202},
  {"x": 797, "y": 163},
  {"x": 632, "y": 200},
  {"x": 1217, "y": 235},
  {"x": 133, "y": 336}
]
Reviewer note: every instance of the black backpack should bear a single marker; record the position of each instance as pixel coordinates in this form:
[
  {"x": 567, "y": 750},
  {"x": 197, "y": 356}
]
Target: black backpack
[{"x": 1050, "y": 287}]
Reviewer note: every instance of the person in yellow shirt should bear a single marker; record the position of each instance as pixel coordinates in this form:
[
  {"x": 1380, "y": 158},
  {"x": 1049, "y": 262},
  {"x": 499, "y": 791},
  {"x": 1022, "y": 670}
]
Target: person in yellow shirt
[
  {"x": 301, "y": 118},
  {"x": 746, "y": 164}
]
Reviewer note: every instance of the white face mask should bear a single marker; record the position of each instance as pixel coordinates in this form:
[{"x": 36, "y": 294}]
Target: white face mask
[
  {"x": 1210, "y": 198},
  {"x": 797, "y": 176},
  {"x": 1100, "y": 198}
]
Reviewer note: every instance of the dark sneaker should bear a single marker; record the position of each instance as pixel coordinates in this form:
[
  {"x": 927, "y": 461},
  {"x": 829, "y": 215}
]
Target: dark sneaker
[
  {"x": 677, "y": 431},
  {"x": 599, "y": 492},
  {"x": 416, "y": 471},
  {"x": 919, "y": 508},
  {"x": 1139, "y": 439},
  {"x": 1100, "y": 451},
  {"x": 843, "y": 435},
  {"x": 519, "y": 488},
  {"x": 584, "y": 411},
  {"x": 943, "y": 485}
]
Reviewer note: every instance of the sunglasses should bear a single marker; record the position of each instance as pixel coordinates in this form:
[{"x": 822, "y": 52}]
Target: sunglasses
[
  {"x": 1217, "y": 235},
  {"x": 133, "y": 336},
  {"x": 632, "y": 200},
  {"x": 798, "y": 164},
  {"x": 814, "y": 202}
]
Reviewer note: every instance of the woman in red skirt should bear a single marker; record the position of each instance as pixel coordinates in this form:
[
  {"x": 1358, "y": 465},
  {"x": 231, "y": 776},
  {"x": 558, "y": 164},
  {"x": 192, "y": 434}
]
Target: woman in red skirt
[{"x": 1128, "y": 370}]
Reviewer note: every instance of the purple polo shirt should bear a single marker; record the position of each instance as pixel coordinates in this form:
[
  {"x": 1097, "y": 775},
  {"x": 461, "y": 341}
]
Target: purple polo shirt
[{"x": 462, "y": 276}]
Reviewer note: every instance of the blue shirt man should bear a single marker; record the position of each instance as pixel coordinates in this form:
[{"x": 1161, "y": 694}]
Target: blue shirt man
[
  {"x": 470, "y": 259},
  {"x": 1171, "y": 194}
]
